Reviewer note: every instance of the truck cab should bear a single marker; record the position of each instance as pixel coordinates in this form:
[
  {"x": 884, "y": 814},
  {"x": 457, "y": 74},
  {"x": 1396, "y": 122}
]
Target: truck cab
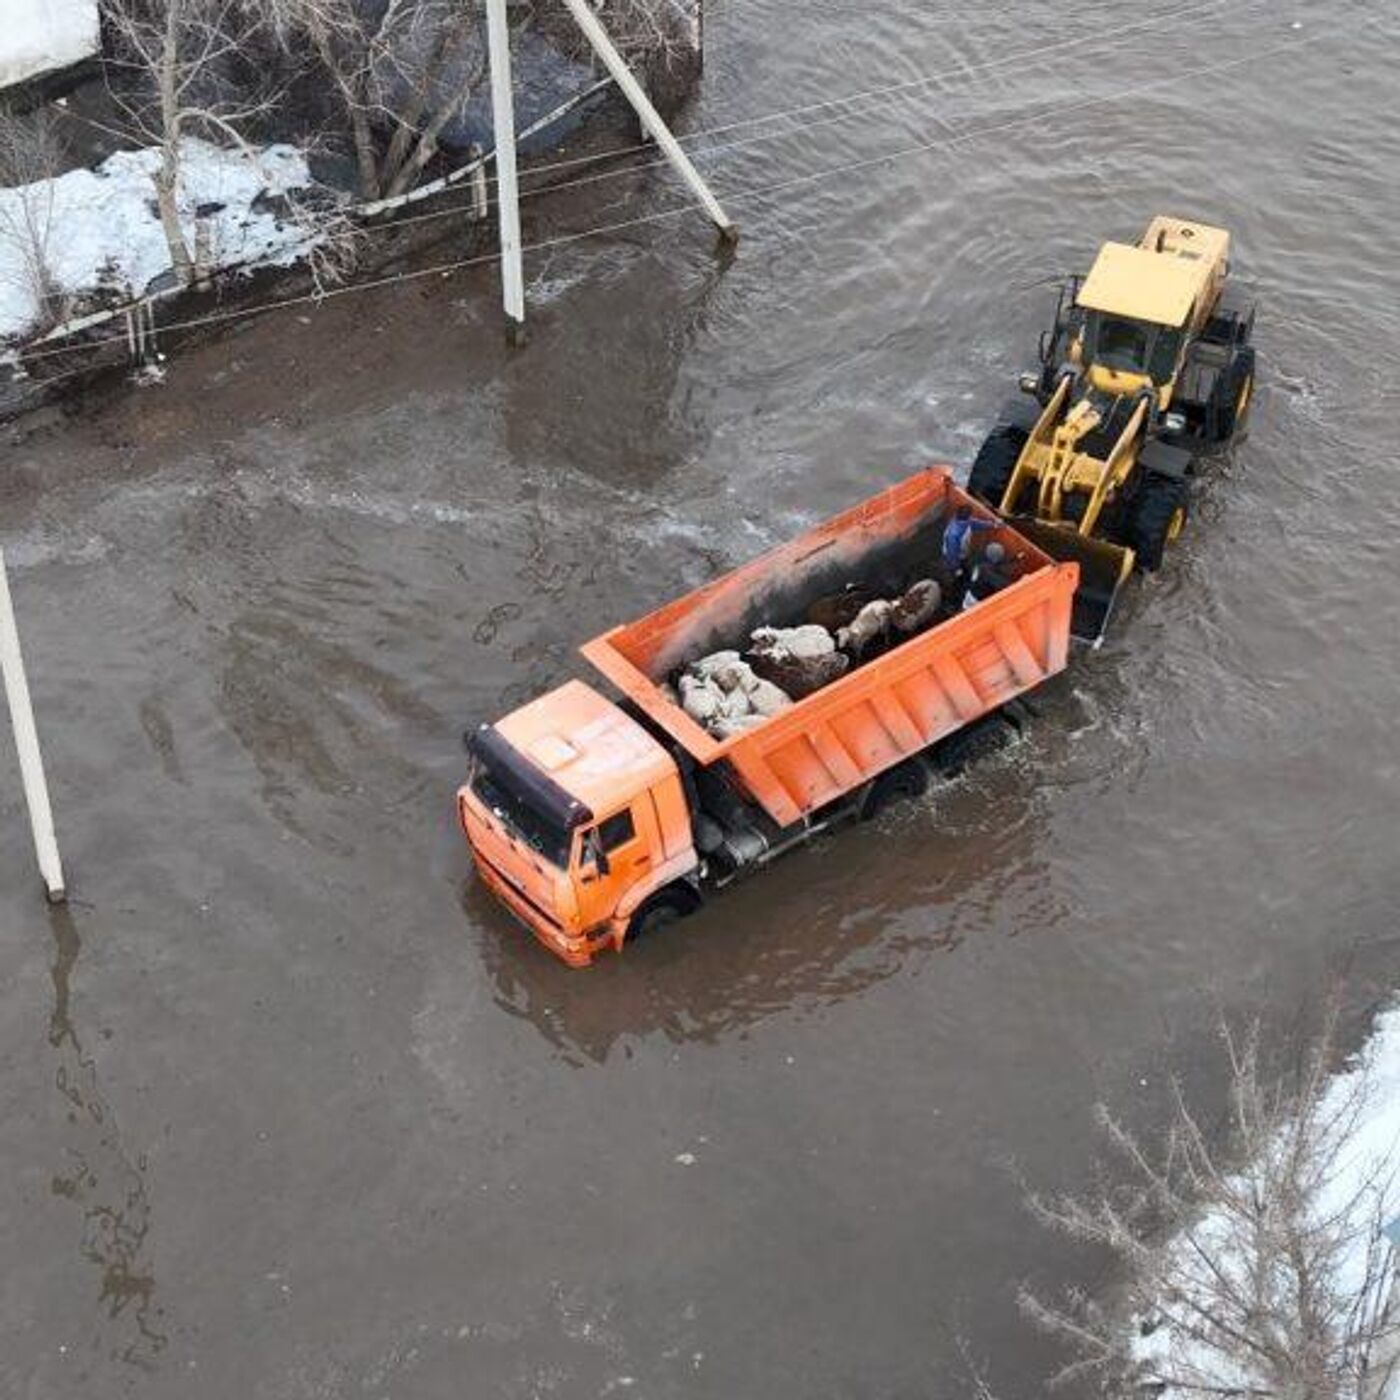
[{"x": 575, "y": 815}]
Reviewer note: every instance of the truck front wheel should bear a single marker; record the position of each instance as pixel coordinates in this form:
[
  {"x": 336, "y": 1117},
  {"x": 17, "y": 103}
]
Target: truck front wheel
[{"x": 660, "y": 911}]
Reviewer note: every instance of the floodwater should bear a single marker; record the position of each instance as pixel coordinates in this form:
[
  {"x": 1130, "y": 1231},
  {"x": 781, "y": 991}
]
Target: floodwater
[{"x": 290, "y": 1110}]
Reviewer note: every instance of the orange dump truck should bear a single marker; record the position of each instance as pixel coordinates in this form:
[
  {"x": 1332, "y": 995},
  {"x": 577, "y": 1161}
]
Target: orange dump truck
[{"x": 595, "y": 821}]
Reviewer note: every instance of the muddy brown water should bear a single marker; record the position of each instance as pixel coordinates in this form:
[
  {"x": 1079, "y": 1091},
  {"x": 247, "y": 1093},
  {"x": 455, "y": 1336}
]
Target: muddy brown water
[{"x": 290, "y": 1110}]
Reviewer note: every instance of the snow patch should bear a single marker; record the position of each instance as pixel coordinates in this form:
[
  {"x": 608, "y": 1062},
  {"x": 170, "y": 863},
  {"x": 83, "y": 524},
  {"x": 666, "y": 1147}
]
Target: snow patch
[
  {"x": 102, "y": 234},
  {"x": 1365, "y": 1164},
  {"x": 45, "y": 36}
]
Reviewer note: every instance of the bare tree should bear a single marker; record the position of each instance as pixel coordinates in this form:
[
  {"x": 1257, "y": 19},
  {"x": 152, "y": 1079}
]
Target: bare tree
[
  {"x": 1258, "y": 1269},
  {"x": 172, "y": 58},
  {"x": 400, "y": 70},
  {"x": 31, "y": 153}
]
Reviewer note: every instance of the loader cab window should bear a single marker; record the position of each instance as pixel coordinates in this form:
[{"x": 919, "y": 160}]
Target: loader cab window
[
  {"x": 1165, "y": 349},
  {"x": 1119, "y": 344},
  {"x": 1132, "y": 347}
]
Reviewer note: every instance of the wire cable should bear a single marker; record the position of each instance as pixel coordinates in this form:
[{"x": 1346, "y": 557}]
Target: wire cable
[
  {"x": 841, "y": 103},
  {"x": 1196, "y": 8},
  {"x": 752, "y": 191}
]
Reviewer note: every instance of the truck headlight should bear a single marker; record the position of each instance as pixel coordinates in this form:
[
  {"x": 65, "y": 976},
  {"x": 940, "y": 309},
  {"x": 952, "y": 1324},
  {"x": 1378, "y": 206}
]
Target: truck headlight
[{"x": 1029, "y": 382}]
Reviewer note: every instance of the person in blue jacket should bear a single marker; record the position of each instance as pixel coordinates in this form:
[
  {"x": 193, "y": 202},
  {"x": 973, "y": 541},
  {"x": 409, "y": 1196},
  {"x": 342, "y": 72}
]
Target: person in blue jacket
[{"x": 957, "y": 539}]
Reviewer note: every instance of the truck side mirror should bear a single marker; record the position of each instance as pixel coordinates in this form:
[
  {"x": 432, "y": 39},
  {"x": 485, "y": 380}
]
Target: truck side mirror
[{"x": 593, "y": 851}]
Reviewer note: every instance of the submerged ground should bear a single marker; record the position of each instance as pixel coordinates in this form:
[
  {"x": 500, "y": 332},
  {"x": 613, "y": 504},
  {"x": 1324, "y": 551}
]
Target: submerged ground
[{"x": 289, "y": 1110}]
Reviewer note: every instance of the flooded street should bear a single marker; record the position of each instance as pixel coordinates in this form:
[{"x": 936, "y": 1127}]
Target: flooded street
[{"x": 291, "y": 1110}]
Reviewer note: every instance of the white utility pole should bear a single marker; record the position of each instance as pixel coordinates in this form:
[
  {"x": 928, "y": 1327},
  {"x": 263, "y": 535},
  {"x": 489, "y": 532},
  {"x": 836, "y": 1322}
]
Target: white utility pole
[
  {"x": 651, "y": 121},
  {"x": 31, "y": 764},
  {"x": 507, "y": 189},
  {"x": 503, "y": 120}
]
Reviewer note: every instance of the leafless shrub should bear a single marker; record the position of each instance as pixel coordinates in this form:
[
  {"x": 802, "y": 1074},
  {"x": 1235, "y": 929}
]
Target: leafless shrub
[
  {"x": 649, "y": 30},
  {"x": 333, "y": 237},
  {"x": 1260, "y": 1268},
  {"x": 31, "y": 155},
  {"x": 650, "y": 34}
]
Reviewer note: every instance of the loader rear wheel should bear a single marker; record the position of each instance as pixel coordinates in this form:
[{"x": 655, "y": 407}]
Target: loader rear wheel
[
  {"x": 1156, "y": 518},
  {"x": 994, "y": 463},
  {"x": 1236, "y": 396}
]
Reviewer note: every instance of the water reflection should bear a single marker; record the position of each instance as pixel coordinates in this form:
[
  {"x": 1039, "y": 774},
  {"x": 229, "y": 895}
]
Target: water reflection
[
  {"x": 822, "y": 925},
  {"x": 100, "y": 1177},
  {"x": 564, "y": 402}
]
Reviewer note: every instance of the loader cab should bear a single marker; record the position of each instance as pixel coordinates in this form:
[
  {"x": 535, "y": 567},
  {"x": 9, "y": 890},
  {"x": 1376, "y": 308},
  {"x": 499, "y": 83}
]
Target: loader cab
[
  {"x": 1141, "y": 302},
  {"x": 575, "y": 814},
  {"x": 1124, "y": 354}
]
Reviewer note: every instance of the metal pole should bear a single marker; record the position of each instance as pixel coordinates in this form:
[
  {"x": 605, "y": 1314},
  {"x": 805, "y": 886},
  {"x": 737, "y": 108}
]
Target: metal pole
[
  {"x": 651, "y": 121},
  {"x": 31, "y": 764},
  {"x": 507, "y": 190}
]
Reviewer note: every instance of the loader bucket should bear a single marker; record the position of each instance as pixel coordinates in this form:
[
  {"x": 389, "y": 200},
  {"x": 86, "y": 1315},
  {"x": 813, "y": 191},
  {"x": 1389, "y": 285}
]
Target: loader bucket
[{"x": 1103, "y": 569}]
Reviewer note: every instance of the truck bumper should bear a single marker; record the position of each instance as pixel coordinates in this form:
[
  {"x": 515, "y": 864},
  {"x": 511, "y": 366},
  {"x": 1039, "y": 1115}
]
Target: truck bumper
[{"x": 576, "y": 951}]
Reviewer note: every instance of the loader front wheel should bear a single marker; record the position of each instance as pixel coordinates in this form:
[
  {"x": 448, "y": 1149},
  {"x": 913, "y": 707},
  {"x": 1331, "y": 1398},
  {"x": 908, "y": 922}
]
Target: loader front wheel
[
  {"x": 995, "y": 461},
  {"x": 1156, "y": 518}
]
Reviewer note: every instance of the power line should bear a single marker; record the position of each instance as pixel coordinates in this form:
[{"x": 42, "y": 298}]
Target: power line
[
  {"x": 876, "y": 94},
  {"x": 752, "y": 191},
  {"x": 844, "y": 103},
  {"x": 598, "y": 177}
]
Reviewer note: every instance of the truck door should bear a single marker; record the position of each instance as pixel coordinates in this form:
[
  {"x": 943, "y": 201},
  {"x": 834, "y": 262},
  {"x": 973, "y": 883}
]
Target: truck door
[{"x": 613, "y": 856}]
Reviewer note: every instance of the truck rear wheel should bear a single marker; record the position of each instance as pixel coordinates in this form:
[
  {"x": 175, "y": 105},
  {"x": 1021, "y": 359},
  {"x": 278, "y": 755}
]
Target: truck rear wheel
[
  {"x": 902, "y": 783},
  {"x": 660, "y": 912},
  {"x": 994, "y": 463},
  {"x": 1156, "y": 517}
]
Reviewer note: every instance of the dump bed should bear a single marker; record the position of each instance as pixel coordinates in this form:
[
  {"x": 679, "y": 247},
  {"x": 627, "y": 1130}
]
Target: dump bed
[{"x": 878, "y": 713}]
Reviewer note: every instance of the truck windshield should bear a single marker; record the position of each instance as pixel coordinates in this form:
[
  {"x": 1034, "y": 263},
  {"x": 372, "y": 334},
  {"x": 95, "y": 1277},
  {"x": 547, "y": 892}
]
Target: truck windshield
[
  {"x": 1137, "y": 347},
  {"x": 510, "y": 805}
]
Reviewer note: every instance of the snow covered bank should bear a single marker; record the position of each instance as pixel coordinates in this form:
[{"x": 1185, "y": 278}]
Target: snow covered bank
[
  {"x": 45, "y": 36},
  {"x": 101, "y": 235},
  {"x": 1351, "y": 1185}
]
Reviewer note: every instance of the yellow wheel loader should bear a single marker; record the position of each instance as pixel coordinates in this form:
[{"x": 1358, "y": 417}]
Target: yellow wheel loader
[{"x": 1148, "y": 362}]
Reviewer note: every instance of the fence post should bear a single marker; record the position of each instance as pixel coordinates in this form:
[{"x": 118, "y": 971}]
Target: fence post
[
  {"x": 31, "y": 764},
  {"x": 480, "y": 205}
]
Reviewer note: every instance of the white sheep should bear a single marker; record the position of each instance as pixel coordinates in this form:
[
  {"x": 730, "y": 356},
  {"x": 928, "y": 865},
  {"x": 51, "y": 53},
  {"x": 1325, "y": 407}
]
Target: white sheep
[
  {"x": 869, "y": 625},
  {"x": 806, "y": 642}
]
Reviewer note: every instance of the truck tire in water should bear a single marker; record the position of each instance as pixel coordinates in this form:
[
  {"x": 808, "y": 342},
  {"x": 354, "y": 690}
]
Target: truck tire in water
[
  {"x": 994, "y": 463},
  {"x": 901, "y": 783},
  {"x": 1156, "y": 517},
  {"x": 659, "y": 912}
]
